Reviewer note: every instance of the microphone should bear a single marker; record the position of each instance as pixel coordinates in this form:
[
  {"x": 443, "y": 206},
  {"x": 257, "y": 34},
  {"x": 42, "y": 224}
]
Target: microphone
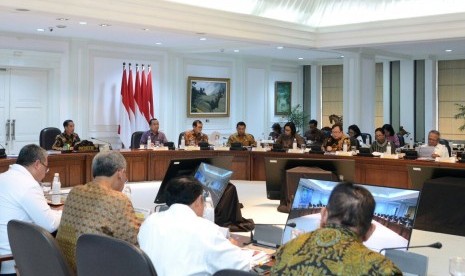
[
  {"x": 106, "y": 142},
  {"x": 436, "y": 245}
]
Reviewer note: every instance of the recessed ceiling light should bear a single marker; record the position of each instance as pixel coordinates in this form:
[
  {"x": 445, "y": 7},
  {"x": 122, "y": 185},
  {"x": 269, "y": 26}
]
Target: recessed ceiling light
[
  {"x": 203, "y": 38},
  {"x": 145, "y": 29},
  {"x": 342, "y": 56},
  {"x": 62, "y": 19},
  {"x": 158, "y": 43},
  {"x": 280, "y": 47},
  {"x": 82, "y": 23},
  {"x": 448, "y": 50},
  {"x": 104, "y": 25},
  {"x": 22, "y": 10},
  {"x": 301, "y": 58},
  {"x": 40, "y": 30},
  {"x": 61, "y": 26},
  {"x": 236, "y": 51}
]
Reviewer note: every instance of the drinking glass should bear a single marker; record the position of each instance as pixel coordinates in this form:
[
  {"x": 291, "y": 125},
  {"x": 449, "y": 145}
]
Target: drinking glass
[
  {"x": 157, "y": 144},
  {"x": 127, "y": 191},
  {"x": 46, "y": 187},
  {"x": 303, "y": 146},
  {"x": 457, "y": 266}
]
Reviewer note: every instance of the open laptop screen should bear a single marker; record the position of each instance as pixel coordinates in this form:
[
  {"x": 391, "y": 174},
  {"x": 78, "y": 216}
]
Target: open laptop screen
[
  {"x": 214, "y": 179},
  {"x": 394, "y": 213}
]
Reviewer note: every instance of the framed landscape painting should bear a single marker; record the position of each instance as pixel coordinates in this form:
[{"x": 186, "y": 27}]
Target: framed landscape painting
[
  {"x": 282, "y": 97},
  {"x": 208, "y": 97}
]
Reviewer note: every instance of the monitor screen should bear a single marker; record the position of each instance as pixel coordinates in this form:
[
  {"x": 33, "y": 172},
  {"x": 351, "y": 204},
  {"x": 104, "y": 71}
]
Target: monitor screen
[
  {"x": 181, "y": 167},
  {"x": 394, "y": 213},
  {"x": 213, "y": 179},
  {"x": 275, "y": 171},
  {"x": 442, "y": 206},
  {"x": 419, "y": 174}
]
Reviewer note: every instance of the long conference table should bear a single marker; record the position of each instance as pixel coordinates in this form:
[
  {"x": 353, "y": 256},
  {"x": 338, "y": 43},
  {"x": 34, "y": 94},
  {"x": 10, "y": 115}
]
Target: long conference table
[{"x": 149, "y": 165}]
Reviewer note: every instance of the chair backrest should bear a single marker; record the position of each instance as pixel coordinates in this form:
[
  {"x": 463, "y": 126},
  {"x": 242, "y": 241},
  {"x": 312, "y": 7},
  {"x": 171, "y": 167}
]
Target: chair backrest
[
  {"x": 135, "y": 139},
  {"x": 35, "y": 250},
  {"x": 180, "y": 137},
  {"x": 366, "y": 136},
  {"x": 98, "y": 255},
  {"x": 445, "y": 143},
  {"x": 401, "y": 140},
  {"x": 232, "y": 272},
  {"x": 47, "y": 137}
]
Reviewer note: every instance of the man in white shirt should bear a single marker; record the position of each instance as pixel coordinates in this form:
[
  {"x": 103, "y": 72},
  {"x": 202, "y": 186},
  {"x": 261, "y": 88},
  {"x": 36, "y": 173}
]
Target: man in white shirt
[
  {"x": 439, "y": 149},
  {"x": 180, "y": 242},
  {"x": 22, "y": 198}
]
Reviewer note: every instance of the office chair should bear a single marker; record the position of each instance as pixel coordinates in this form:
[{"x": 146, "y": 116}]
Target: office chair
[
  {"x": 47, "y": 137},
  {"x": 180, "y": 137},
  {"x": 445, "y": 143},
  {"x": 232, "y": 272},
  {"x": 401, "y": 140},
  {"x": 366, "y": 136},
  {"x": 99, "y": 255},
  {"x": 135, "y": 139},
  {"x": 35, "y": 250}
]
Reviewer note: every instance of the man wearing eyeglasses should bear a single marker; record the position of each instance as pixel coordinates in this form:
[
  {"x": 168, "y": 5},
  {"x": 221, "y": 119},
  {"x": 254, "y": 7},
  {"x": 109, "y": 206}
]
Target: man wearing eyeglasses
[{"x": 22, "y": 198}]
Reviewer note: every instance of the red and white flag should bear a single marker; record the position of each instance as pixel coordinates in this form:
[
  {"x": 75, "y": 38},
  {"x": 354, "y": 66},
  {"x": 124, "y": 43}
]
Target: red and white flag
[
  {"x": 145, "y": 99},
  {"x": 132, "y": 105},
  {"x": 124, "y": 128},
  {"x": 150, "y": 93},
  {"x": 141, "y": 123}
]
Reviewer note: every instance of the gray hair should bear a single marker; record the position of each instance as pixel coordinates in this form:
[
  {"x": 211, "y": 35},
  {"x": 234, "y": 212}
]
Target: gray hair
[
  {"x": 434, "y": 132},
  {"x": 107, "y": 163},
  {"x": 29, "y": 154}
]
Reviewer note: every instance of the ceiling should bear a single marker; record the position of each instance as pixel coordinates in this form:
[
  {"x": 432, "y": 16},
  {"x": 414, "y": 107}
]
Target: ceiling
[{"x": 178, "y": 28}]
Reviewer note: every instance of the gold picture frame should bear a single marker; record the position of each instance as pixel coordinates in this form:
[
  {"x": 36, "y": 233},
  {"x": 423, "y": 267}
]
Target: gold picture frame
[{"x": 208, "y": 97}]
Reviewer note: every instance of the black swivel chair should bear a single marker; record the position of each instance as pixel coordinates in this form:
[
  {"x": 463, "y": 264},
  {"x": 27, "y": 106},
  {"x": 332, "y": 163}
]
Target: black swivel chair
[
  {"x": 445, "y": 143},
  {"x": 401, "y": 140},
  {"x": 99, "y": 255},
  {"x": 135, "y": 139},
  {"x": 180, "y": 137},
  {"x": 35, "y": 250},
  {"x": 366, "y": 138},
  {"x": 47, "y": 137}
]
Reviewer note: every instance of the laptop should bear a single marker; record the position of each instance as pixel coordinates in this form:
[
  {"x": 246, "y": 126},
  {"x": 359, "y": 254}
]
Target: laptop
[
  {"x": 394, "y": 214},
  {"x": 214, "y": 179}
]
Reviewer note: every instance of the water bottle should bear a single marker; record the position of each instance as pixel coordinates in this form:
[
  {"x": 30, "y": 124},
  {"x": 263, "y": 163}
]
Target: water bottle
[
  {"x": 411, "y": 143},
  {"x": 209, "y": 210},
  {"x": 56, "y": 189},
  {"x": 294, "y": 144},
  {"x": 345, "y": 147},
  {"x": 388, "y": 148},
  {"x": 183, "y": 143},
  {"x": 149, "y": 142}
]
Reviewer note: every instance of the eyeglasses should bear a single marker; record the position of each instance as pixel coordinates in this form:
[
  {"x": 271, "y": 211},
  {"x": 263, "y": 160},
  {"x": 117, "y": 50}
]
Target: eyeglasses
[{"x": 46, "y": 167}]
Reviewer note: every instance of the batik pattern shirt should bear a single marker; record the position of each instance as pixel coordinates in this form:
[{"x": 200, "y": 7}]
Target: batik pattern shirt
[
  {"x": 333, "y": 250},
  {"x": 245, "y": 140},
  {"x": 95, "y": 209},
  {"x": 63, "y": 139},
  {"x": 196, "y": 138}
]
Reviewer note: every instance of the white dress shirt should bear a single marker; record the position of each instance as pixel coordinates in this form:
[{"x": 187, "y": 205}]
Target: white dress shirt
[
  {"x": 22, "y": 198},
  {"x": 440, "y": 150},
  {"x": 180, "y": 243}
]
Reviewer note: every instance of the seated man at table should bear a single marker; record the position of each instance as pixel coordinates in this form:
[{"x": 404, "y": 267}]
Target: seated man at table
[
  {"x": 241, "y": 137},
  {"x": 22, "y": 198},
  {"x": 68, "y": 139},
  {"x": 195, "y": 136},
  {"x": 179, "y": 241},
  {"x": 337, "y": 140},
  {"x": 290, "y": 134},
  {"x": 380, "y": 143},
  {"x": 433, "y": 141},
  {"x": 99, "y": 207},
  {"x": 336, "y": 248},
  {"x": 154, "y": 133},
  {"x": 313, "y": 134}
]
